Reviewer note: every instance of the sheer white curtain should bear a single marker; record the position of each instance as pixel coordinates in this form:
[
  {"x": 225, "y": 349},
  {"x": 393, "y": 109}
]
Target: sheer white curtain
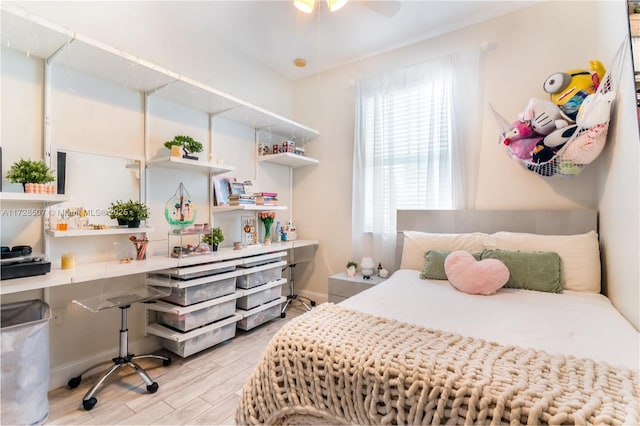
[{"x": 413, "y": 136}]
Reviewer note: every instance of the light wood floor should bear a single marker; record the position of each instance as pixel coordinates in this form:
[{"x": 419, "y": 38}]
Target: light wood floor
[{"x": 201, "y": 389}]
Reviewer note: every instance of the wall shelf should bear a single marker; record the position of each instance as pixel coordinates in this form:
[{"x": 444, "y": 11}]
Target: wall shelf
[
  {"x": 186, "y": 164},
  {"x": 34, "y": 198},
  {"x": 288, "y": 159},
  {"x": 94, "y": 232},
  {"x": 250, "y": 207},
  {"x": 38, "y": 37}
]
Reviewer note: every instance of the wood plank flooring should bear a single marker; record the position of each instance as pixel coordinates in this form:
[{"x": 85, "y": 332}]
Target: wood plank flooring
[{"x": 203, "y": 389}]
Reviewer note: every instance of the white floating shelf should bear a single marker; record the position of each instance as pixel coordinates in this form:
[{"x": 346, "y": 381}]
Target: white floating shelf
[
  {"x": 252, "y": 207},
  {"x": 34, "y": 198},
  {"x": 289, "y": 159},
  {"x": 94, "y": 232},
  {"x": 186, "y": 164},
  {"x": 34, "y": 36}
]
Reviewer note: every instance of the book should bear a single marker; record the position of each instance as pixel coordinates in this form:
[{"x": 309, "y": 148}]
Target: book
[{"x": 266, "y": 194}]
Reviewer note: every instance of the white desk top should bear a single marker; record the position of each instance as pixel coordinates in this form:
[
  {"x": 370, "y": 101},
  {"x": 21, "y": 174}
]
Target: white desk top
[{"x": 100, "y": 270}]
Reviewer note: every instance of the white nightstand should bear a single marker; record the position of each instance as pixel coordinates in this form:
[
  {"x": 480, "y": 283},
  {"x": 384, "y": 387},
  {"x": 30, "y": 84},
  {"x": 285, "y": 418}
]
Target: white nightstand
[{"x": 342, "y": 287}]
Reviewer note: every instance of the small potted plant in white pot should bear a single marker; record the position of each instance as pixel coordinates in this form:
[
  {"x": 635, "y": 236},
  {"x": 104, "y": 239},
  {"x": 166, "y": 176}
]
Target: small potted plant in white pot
[{"x": 351, "y": 268}]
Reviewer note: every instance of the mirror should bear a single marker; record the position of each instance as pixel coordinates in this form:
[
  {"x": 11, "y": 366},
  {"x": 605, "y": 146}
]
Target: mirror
[
  {"x": 634, "y": 25},
  {"x": 94, "y": 181}
]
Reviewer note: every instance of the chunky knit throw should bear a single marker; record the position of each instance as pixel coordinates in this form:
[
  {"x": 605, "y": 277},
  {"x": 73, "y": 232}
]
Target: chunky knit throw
[{"x": 336, "y": 366}]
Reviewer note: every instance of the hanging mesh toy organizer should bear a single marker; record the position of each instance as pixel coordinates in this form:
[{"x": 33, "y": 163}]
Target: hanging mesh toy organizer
[{"x": 587, "y": 137}]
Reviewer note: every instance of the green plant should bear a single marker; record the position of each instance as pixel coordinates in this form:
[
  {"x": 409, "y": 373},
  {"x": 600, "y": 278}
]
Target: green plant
[
  {"x": 28, "y": 171},
  {"x": 116, "y": 210},
  {"x": 214, "y": 237},
  {"x": 351, "y": 263},
  {"x": 187, "y": 143},
  {"x": 135, "y": 210}
]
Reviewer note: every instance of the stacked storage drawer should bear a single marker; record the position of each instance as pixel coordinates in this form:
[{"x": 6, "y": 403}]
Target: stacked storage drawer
[
  {"x": 260, "y": 290},
  {"x": 200, "y": 310}
]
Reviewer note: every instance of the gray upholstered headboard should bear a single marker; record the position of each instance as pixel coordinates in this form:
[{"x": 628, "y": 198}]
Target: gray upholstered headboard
[{"x": 547, "y": 222}]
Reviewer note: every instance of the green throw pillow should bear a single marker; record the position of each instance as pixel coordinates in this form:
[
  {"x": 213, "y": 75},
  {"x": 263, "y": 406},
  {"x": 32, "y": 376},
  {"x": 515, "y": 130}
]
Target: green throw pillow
[
  {"x": 434, "y": 264},
  {"x": 539, "y": 271}
]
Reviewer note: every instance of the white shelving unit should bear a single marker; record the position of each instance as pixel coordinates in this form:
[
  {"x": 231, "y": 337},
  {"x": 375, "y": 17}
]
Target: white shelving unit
[
  {"x": 34, "y": 198},
  {"x": 248, "y": 207},
  {"x": 38, "y": 37},
  {"x": 186, "y": 164},
  {"x": 289, "y": 159},
  {"x": 96, "y": 232}
]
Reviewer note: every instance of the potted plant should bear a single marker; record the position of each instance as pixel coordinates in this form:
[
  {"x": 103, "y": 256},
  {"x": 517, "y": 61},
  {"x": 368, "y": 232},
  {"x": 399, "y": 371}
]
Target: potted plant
[
  {"x": 134, "y": 212},
  {"x": 351, "y": 268},
  {"x": 189, "y": 145},
  {"x": 29, "y": 172},
  {"x": 116, "y": 211},
  {"x": 213, "y": 238}
]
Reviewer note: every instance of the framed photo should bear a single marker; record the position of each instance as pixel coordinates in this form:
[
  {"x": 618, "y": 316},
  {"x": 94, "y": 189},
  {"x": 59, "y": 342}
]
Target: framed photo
[
  {"x": 221, "y": 190},
  {"x": 236, "y": 188},
  {"x": 248, "y": 230}
]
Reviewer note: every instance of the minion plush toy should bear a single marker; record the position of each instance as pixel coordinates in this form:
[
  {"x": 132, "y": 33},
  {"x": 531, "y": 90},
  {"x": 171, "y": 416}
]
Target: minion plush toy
[{"x": 569, "y": 89}]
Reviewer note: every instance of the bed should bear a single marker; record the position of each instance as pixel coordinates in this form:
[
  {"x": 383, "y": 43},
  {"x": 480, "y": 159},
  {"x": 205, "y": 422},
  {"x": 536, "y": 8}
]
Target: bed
[{"x": 418, "y": 351}]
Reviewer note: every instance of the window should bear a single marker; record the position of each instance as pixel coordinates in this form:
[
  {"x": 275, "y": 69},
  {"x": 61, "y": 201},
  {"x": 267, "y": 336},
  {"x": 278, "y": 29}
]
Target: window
[
  {"x": 407, "y": 150},
  {"x": 408, "y": 146}
]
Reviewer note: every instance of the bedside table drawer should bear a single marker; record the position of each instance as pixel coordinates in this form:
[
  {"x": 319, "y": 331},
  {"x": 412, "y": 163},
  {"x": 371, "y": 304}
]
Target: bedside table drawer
[{"x": 342, "y": 287}]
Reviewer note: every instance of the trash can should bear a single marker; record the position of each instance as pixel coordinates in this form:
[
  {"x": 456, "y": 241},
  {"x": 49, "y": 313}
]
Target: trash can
[{"x": 25, "y": 362}]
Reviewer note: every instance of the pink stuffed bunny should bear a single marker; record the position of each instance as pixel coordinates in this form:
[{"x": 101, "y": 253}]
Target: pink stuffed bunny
[{"x": 521, "y": 139}]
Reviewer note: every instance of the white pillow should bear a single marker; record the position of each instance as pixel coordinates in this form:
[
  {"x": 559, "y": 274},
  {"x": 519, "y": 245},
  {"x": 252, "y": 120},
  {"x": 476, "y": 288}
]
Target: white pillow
[
  {"x": 579, "y": 254},
  {"x": 416, "y": 244}
]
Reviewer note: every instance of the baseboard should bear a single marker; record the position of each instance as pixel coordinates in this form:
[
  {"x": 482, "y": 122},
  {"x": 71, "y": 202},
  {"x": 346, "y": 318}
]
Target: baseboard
[
  {"x": 60, "y": 375},
  {"x": 319, "y": 298}
]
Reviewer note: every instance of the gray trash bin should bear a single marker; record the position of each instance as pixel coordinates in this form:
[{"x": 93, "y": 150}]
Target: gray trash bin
[{"x": 25, "y": 362}]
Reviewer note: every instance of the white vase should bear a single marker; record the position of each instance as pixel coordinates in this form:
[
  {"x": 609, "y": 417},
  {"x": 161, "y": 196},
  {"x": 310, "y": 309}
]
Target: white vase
[{"x": 351, "y": 271}]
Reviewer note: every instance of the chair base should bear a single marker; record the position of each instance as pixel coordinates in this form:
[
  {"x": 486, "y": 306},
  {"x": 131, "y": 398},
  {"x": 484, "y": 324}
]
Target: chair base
[
  {"x": 305, "y": 301},
  {"x": 89, "y": 400}
]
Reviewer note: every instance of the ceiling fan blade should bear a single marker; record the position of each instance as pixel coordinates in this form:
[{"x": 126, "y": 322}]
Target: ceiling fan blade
[{"x": 386, "y": 8}]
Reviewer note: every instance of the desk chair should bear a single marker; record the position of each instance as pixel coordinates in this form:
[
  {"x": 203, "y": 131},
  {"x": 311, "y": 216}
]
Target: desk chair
[
  {"x": 122, "y": 299},
  {"x": 293, "y": 297}
]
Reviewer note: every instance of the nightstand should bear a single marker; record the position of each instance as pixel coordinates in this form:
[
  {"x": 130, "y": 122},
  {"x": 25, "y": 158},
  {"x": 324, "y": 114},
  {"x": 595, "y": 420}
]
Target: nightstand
[{"x": 342, "y": 287}]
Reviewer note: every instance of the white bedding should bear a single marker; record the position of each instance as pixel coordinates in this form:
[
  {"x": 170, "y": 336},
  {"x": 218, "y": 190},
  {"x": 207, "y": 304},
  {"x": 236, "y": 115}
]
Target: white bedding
[{"x": 584, "y": 325}]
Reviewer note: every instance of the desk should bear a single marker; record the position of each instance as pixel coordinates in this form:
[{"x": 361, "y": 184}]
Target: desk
[
  {"x": 342, "y": 287},
  {"x": 99, "y": 270}
]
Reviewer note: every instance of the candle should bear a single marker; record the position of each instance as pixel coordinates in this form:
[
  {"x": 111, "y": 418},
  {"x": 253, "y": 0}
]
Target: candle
[{"x": 68, "y": 260}]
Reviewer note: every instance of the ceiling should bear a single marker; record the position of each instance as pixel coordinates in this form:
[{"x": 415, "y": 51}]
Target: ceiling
[{"x": 270, "y": 32}]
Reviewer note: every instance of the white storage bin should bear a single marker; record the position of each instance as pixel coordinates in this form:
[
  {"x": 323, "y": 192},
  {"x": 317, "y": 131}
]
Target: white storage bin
[
  {"x": 189, "y": 343},
  {"x": 261, "y": 314},
  {"x": 260, "y": 275},
  {"x": 190, "y": 320},
  {"x": 260, "y": 295},
  {"x": 199, "y": 293}
]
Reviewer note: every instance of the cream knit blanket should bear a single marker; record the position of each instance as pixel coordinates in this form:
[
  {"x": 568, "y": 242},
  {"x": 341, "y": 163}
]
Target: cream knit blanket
[{"x": 336, "y": 366}]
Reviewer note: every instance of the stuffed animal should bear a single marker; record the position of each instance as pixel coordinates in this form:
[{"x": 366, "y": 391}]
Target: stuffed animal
[
  {"x": 521, "y": 139},
  {"x": 544, "y": 116},
  {"x": 518, "y": 130},
  {"x": 569, "y": 89},
  {"x": 593, "y": 120}
]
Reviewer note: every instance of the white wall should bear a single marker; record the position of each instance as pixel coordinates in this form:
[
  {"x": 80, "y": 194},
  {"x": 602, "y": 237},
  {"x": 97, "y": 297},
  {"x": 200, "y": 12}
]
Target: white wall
[
  {"x": 530, "y": 45},
  {"x": 619, "y": 182}
]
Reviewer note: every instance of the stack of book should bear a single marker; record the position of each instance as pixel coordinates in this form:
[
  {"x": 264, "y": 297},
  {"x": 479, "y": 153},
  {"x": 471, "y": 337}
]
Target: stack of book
[
  {"x": 241, "y": 199},
  {"x": 266, "y": 198}
]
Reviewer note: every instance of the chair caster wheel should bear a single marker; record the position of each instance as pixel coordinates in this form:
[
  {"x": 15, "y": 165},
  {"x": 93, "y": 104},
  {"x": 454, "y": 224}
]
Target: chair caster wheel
[
  {"x": 74, "y": 382},
  {"x": 283, "y": 314},
  {"x": 88, "y": 404},
  {"x": 166, "y": 362},
  {"x": 152, "y": 388},
  {"x": 313, "y": 303}
]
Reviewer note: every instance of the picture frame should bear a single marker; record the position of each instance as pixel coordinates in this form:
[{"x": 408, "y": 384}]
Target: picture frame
[
  {"x": 221, "y": 190},
  {"x": 236, "y": 188},
  {"x": 248, "y": 230}
]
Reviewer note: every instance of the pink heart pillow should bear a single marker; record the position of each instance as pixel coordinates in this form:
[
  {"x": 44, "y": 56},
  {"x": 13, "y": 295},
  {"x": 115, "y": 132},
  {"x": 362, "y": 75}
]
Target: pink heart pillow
[{"x": 467, "y": 274}]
